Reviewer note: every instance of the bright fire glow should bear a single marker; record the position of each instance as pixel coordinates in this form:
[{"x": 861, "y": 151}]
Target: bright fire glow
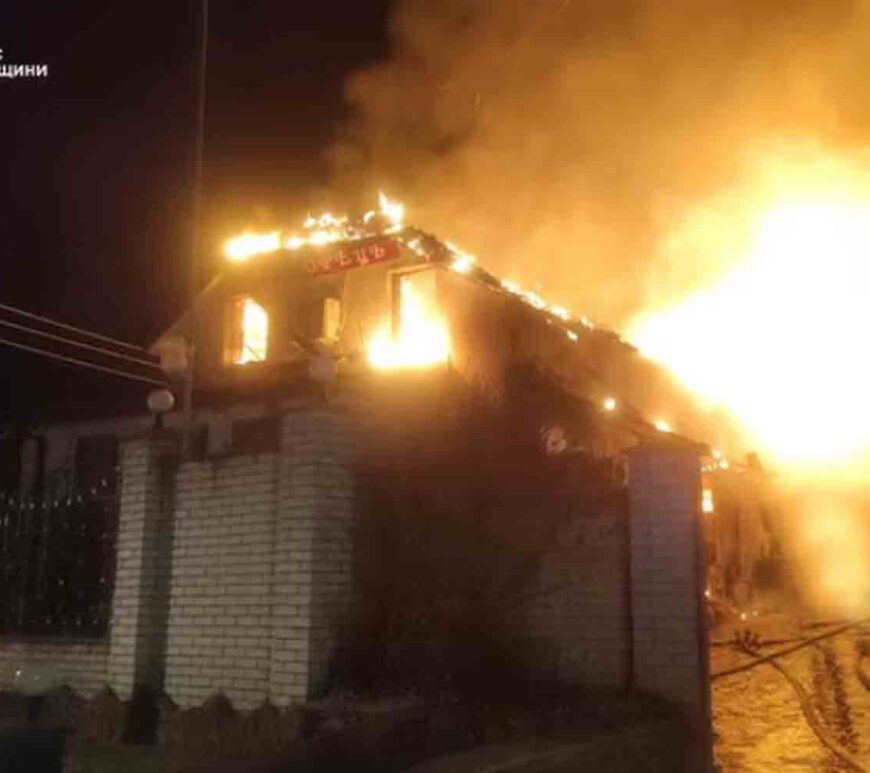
[
  {"x": 325, "y": 229},
  {"x": 662, "y": 426},
  {"x": 609, "y": 404},
  {"x": 462, "y": 262},
  {"x": 780, "y": 340},
  {"x": 393, "y": 210},
  {"x": 707, "y": 501},
  {"x": 241, "y": 247},
  {"x": 422, "y": 339},
  {"x": 255, "y": 332},
  {"x": 832, "y": 528}
]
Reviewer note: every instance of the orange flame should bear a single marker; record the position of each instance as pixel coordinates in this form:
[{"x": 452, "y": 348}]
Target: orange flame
[
  {"x": 707, "y": 505},
  {"x": 255, "y": 332},
  {"x": 778, "y": 340},
  {"x": 421, "y": 341},
  {"x": 325, "y": 229}
]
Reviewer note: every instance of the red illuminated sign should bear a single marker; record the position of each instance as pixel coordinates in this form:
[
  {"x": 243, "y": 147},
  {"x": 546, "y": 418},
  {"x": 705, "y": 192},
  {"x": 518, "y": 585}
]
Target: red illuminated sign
[{"x": 355, "y": 257}]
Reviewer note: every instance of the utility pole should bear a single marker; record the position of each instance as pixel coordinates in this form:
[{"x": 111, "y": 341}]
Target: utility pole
[{"x": 187, "y": 440}]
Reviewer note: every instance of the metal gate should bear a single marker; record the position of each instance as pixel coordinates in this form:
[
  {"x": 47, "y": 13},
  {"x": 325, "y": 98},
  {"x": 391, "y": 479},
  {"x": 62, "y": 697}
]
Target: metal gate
[{"x": 57, "y": 563}]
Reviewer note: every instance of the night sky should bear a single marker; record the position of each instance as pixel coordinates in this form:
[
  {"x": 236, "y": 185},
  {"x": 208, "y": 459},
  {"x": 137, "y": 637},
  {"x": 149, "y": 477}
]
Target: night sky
[{"x": 95, "y": 202}]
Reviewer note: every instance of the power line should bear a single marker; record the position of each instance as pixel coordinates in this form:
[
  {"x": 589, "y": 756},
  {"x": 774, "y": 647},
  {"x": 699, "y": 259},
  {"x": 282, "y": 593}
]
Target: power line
[
  {"x": 63, "y": 325},
  {"x": 83, "y": 363},
  {"x": 81, "y": 344}
]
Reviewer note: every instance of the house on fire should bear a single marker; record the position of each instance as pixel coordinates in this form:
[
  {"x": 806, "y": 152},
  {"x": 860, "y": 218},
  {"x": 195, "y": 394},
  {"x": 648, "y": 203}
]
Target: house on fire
[{"x": 229, "y": 568}]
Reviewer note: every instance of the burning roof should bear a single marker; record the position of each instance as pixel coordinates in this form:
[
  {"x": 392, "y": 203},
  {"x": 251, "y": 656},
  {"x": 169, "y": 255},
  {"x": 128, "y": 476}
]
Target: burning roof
[
  {"x": 388, "y": 348},
  {"x": 388, "y": 220}
]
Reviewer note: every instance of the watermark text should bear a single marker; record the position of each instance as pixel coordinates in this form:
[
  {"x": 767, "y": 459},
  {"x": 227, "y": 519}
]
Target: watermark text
[{"x": 13, "y": 71}]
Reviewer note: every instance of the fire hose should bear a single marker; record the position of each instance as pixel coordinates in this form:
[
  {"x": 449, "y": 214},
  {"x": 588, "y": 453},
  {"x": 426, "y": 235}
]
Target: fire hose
[
  {"x": 748, "y": 645},
  {"x": 759, "y": 658},
  {"x": 862, "y": 666}
]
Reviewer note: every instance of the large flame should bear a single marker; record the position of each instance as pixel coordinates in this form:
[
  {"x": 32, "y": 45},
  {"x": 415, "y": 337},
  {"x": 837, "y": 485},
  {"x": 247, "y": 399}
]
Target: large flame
[
  {"x": 325, "y": 229},
  {"x": 780, "y": 338},
  {"x": 422, "y": 338},
  {"x": 255, "y": 332}
]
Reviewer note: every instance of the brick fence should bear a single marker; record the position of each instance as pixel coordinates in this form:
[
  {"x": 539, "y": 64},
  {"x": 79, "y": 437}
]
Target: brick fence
[
  {"x": 235, "y": 574},
  {"x": 260, "y": 568},
  {"x": 579, "y": 617},
  {"x": 82, "y": 664}
]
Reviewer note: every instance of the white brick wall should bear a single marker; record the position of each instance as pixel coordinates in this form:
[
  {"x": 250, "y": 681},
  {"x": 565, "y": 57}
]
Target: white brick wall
[
  {"x": 80, "y": 665},
  {"x": 141, "y": 574},
  {"x": 670, "y": 648},
  {"x": 221, "y": 600},
  {"x": 262, "y": 567},
  {"x": 580, "y": 629},
  {"x": 314, "y": 549},
  {"x": 261, "y": 571},
  {"x": 586, "y": 628}
]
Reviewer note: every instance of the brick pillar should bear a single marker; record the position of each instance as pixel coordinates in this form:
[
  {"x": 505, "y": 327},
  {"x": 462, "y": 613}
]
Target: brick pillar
[
  {"x": 140, "y": 602},
  {"x": 312, "y": 581},
  {"x": 667, "y": 583}
]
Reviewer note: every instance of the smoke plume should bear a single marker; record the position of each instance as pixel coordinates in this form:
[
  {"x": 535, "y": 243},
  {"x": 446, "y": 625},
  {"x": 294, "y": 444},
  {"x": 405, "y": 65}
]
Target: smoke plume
[{"x": 564, "y": 141}]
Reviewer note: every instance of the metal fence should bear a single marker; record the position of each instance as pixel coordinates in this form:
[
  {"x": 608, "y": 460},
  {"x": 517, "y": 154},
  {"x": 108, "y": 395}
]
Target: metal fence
[{"x": 57, "y": 564}]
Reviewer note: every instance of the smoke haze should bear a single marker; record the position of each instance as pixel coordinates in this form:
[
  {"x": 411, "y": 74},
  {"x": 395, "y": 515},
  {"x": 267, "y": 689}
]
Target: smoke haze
[{"x": 566, "y": 141}]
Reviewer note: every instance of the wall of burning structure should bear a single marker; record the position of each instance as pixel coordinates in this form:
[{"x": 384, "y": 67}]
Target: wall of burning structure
[
  {"x": 489, "y": 331},
  {"x": 258, "y": 579},
  {"x": 577, "y": 614},
  {"x": 236, "y": 571},
  {"x": 745, "y": 531},
  {"x": 332, "y": 299}
]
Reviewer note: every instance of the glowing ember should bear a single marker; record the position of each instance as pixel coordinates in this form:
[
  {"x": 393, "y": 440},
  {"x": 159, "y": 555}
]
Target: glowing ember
[
  {"x": 422, "y": 339},
  {"x": 255, "y": 332},
  {"x": 393, "y": 210},
  {"x": 462, "y": 265},
  {"x": 609, "y": 404},
  {"x": 463, "y": 262},
  {"x": 326, "y": 220},
  {"x": 662, "y": 426}
]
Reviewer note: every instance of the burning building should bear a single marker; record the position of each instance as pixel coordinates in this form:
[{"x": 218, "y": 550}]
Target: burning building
[
  {"x": 377, "y": 294},
  {"x": 248, "y": 539}
]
